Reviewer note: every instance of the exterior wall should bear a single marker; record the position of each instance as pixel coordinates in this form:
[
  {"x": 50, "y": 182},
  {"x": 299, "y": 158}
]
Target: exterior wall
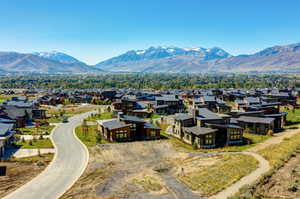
[
  {"x": 2, "y": 148},
  {"x": 187, "y": 138},
  {"x": 177, "y": 131},
  {"x": 257, "y": 128},
  {"x": 152, "y": 134}
]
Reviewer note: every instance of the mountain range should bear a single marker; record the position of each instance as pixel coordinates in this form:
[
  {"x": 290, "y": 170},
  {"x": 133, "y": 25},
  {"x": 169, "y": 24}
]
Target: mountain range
[
  {"x": 51, "y": 62},
  {"x": 159, "y": 59}
]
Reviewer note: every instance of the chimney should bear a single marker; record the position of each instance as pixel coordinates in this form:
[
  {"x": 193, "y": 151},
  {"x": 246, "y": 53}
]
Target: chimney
[{"x": 120, "y": 115}]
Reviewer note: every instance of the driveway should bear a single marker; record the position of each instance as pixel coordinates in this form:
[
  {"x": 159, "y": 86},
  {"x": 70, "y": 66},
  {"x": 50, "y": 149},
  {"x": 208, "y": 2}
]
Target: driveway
[{"x": 70, "y": 160}]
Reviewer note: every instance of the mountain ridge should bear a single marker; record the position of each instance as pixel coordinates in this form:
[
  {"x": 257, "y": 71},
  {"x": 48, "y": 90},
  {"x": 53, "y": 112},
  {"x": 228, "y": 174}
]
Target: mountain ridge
[
  {"x": 285, "y": 58},
  {"x": 30, "y": 62},
  {"x": 276, "y": 58}
]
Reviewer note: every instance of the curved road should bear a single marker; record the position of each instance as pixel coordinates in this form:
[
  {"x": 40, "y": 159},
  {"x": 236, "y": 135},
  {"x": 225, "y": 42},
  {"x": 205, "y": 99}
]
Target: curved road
[{"x": 70, "y": 160}]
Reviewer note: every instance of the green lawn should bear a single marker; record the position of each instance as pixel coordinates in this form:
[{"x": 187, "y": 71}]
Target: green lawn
[
  {"x": 4, "y": 98},
  {"x": 90, "y": 139},
  {"x": 100, "y": 116},
  {"x": 42, "y": 130},
  {"x": 35, "y": 144},
  {"x": 228, "y": 170},
  {"x": 293, "y": 117}
]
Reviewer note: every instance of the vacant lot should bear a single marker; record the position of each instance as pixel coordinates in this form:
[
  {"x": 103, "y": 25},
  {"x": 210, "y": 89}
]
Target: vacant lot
[
  {"x": 20, "y": 171},
  {"x": 285, "y": 182},
  {"x": 57, "y": 114},
  {"x": 229, "y": 169},
  {"x": 32, "y": 130},
  {"x": 149, "y": 170}
]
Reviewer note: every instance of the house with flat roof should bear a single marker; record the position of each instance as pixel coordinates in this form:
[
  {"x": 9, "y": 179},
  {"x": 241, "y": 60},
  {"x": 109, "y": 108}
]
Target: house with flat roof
[
  {"x": 258, "y": 125},
  {"x": 127, "y": 128},
  {"x": 208, "y": 131}
]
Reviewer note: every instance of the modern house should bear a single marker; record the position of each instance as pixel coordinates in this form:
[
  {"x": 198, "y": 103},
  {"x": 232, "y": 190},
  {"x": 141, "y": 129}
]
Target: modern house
[
  {"x": 208, "y": 131},
  {"x": 257, "y": 125},
  {"x": 128, "y": 128}
]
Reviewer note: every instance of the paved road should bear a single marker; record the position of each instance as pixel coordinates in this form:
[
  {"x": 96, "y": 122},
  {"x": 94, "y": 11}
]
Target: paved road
[{"x": 67, "y": 166}]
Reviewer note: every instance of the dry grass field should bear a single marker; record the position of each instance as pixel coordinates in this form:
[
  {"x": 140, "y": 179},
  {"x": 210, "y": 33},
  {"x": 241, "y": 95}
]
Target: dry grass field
[
  {"x": 150, "y": 169},
  {"x": 20, "y": 171}
]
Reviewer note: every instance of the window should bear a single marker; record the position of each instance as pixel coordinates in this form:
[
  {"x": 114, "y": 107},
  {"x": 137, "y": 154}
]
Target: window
[
  {"x": 133, "y": 127},
  {"x": 235, "y": 135},
  {"x": 187, "y": 136},
  {"x": 153, "y": 133},
  {"x": 121, "y": 135},
  {"x": 208, "y": 139}
]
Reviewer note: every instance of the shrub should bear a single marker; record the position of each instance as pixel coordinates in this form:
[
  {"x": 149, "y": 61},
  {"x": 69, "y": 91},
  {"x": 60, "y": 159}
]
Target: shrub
[
  {"x": 270, "y": 132},
  {"x": 246, "y": 130}
]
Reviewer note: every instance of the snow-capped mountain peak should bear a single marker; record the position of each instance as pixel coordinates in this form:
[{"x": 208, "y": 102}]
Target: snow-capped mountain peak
[
  {"x": 58, "y": 56},
  {"x": 160, "y": 52}
]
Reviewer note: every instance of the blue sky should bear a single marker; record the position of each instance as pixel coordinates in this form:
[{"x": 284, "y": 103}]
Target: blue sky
[{"x": 94, "y": 30}]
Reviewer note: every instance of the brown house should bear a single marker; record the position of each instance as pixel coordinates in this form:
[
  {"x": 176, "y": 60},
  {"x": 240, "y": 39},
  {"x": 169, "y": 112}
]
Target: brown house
[
  {"x": 128, "y": 128},
  {"x": 258, "y": 125}
]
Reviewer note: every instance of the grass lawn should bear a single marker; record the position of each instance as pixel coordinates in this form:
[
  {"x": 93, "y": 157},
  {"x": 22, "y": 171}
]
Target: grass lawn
[
  {"x": 3, "y": 98},
  {"x": 42, "y": 130},
  {"x": 293, "y": 117},
  {"x": 225, "y": 172},
  {"x": 100, "y": 116},
  {"x": 36, "y": 158},
  {"x": 90, "y": 139},
  {"x": 35, "y": 144},
  {"x": 277, "y": 154}
]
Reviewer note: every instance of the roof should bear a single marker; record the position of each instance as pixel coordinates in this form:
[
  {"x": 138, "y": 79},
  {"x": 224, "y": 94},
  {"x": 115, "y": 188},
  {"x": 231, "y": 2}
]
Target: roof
[
  {"x": 160, "y": 106},
  {"x": 5, "y": 128},
  {"x": 199, "y": 130},
  {"x": 131, "y": 118},
  {"x": 207, "y": 98},
  {"x": 252, "y": 99},
  {"x": 167, "y": 98},
  {"x": 14, "y": 112},
  {"x": 150, "y": 126},
  {"x": 228, "y": 125},
  {"x": 113, "y": 124},
  {"x": 183, "y": 117},
  {"x": 264, "y": 120},
  {"x": 204, "y": 113}
]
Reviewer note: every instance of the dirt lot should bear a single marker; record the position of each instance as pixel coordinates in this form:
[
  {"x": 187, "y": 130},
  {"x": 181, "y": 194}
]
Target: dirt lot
[
  {"x": 138, "y": 170},
  {"x": 285, "y": 183},
  {"x": 21, "y": 171}
]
